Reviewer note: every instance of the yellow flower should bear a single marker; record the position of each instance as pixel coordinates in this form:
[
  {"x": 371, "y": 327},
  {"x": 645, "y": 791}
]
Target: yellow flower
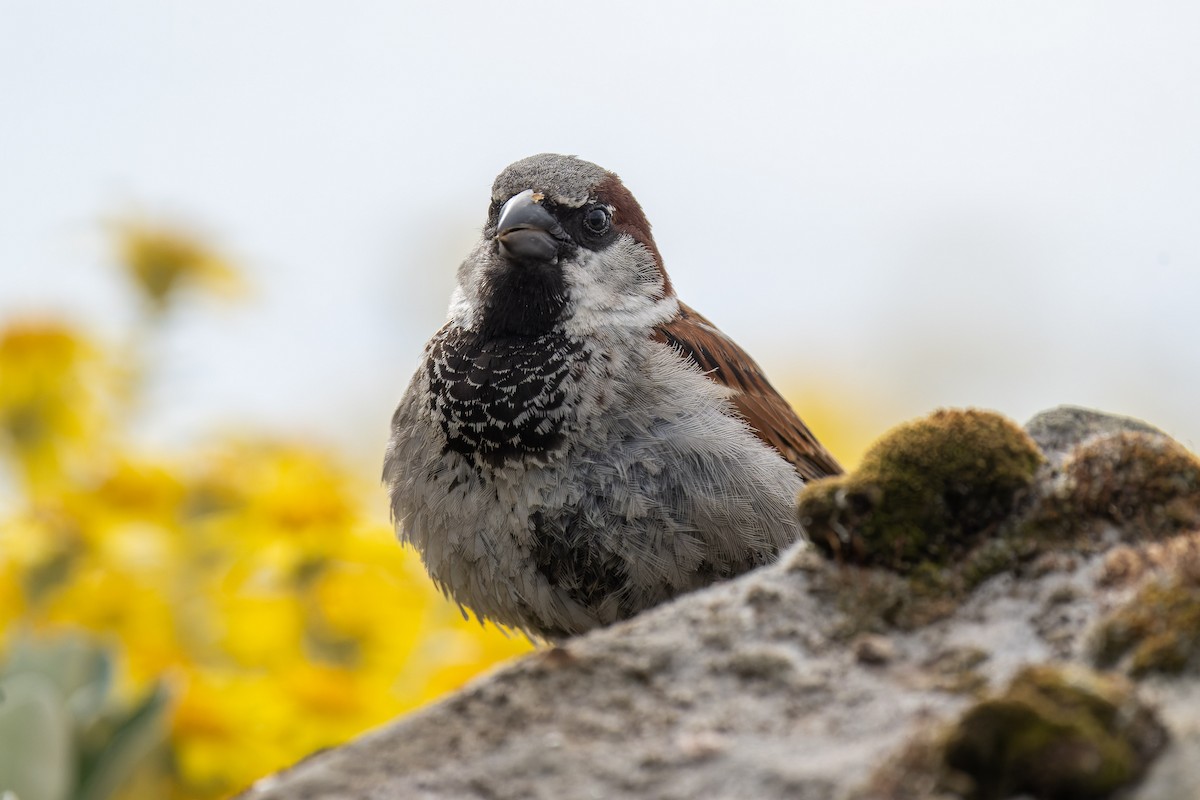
[
  {"x": 275, "y": 493},
  {"x": 333, "y": 692},
  {"x": 52, "y": 398},
  {"x": 136, "y": 489},
  {"x": 162, "y": 260},
  {"x": 229, "y": 729},
  {"x": 255, "y": 577},
  {"x": 119, "y": 606},
  {"x": 40, "y": 546},
  {"x": 12, "y": 599},
  {"x": 260, "y": 627},
  {"x": 299, "y": 491}
]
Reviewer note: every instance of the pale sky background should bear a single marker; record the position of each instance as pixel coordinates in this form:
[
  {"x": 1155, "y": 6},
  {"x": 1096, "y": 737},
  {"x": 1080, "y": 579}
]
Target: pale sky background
[{"x": 908, "y": 204}]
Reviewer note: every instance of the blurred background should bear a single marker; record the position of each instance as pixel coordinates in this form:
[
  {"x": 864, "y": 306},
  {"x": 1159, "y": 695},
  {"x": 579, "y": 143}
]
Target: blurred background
[{"x": 229, "y": 228}]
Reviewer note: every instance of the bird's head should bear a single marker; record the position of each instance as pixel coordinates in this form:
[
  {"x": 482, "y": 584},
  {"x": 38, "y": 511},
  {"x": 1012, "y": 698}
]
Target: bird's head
[{"x": 565, "y": 246}]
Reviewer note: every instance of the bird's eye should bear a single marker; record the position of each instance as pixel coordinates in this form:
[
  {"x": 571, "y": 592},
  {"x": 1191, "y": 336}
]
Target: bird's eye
[{"x": 596, "y": 220}]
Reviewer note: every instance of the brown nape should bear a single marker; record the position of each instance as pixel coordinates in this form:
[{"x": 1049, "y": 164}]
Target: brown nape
[{"x": 629, "y": 218}]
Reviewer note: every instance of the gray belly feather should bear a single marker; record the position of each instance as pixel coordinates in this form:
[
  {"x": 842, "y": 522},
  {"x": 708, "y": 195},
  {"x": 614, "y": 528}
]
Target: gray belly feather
[{"x": 562, "y": 487}]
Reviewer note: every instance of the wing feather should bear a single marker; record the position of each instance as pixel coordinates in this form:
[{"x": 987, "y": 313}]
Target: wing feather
[{"x": 755, "y": 399}]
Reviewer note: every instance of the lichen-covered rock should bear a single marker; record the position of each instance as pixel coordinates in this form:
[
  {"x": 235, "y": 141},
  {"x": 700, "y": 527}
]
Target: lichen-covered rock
[
  {"x": 927, "y": 491},
  {"x": 819, "y": 679},
  {"x": 1058, "y": 733},
  {"x": 1158, "y": 631},
  {"x": 1060, "y": 430},
  {"x": 1143, "y": 481},
  {"x": 1126, "y": 564}
]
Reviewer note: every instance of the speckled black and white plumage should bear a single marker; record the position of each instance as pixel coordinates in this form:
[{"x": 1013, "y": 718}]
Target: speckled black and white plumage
[
  {"x": 501, "y": 399},
  {"x": 562, "y": 459}
]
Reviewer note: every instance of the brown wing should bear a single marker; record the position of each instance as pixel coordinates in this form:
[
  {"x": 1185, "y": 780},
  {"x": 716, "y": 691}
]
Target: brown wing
[{"x": 768, "y": 414}]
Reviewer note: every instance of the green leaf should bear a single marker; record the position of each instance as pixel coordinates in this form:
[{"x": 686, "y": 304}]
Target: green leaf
[
  {"x": 82, "y": 671},
  {"x": 37, "y": 749},
  {"x": 134, "y": 739}
]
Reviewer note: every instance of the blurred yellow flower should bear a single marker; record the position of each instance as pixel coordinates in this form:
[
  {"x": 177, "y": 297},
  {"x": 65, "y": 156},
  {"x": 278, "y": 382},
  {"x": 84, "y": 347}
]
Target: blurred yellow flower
[
  {"x": 163, "y": 260},
  {"x": 259, "y": 628},
  {"x": 53, "y": 384},
  {"x": 229, "y": 728},
  {"x": 254, "y": 578},
  {"x": 12, "y": 594},
  {"x": 141, "y": 489}
]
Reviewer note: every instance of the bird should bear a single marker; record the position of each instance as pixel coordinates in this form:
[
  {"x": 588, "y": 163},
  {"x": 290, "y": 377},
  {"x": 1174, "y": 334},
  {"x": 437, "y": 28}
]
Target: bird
[{"x": 577, "y": 444}]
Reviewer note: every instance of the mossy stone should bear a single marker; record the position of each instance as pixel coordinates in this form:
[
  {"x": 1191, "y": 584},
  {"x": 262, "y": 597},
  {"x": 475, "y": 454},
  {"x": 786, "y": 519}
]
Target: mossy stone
[
  {"x": 1159, "y": 630},
  {"x": 1057, "y": 733},
  {"x": 925, "y": 492},
  {"x": 1135, "y": 479}
]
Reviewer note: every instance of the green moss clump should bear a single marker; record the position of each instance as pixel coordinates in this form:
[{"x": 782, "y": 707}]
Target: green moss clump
[
  {"x": 1158, "y": 631},
  {"x": 1057, "y": 733},
  {"x": 1140, "y": 480},
  {"x": 926, "y": 492}
]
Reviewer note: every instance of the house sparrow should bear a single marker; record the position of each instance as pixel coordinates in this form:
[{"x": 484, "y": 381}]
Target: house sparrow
[{"x": 578, "y": 445}]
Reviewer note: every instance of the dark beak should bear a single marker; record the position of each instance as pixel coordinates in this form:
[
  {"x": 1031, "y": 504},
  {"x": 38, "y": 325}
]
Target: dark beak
[{"x": 526, "y": 231}]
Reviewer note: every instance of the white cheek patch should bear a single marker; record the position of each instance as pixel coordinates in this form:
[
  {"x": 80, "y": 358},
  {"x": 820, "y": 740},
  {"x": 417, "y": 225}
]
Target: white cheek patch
[
  {"x": 461, "y": 310},
  {"x": 466, "y": 301},
  {"x": 620, "y": 286}
]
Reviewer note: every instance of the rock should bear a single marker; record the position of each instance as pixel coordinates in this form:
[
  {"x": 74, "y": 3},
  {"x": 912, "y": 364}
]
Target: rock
[
  {"x": 1056, "y": 732},
  {"x": 1158, "y": 629},
  {"x": 927, "y": 491},
  {"x": 1141, "y": 481},
  {"x": 873, "y": 649},
  {"x": 1061, "y": 429},
  {"x": 907, "y": 677}
]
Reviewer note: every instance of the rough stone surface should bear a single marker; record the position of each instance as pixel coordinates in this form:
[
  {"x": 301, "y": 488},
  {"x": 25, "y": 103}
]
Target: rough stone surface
[
  {"x": 794, "y": 681},
  {"x": 1059, "y": 430}
]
